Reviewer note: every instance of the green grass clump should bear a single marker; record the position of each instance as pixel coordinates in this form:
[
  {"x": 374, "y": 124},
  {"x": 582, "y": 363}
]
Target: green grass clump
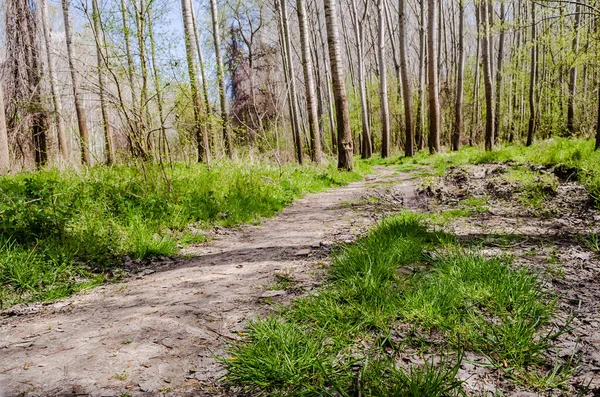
[
  {"x": 533, "y": 188},
  {"x": 57, "y": 226},
  {"x": 337, "y": 340},
  {"x": 484, "y": 304}
]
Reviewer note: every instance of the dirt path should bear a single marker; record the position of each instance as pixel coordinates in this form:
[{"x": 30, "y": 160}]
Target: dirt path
[{"x": 158, "y": 332}]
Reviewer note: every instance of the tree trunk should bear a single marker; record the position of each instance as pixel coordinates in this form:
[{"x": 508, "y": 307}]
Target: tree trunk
[
  {"x": 330, "y": 100},
  {"x": 409, "y": 148},
  {"x": 201, "y": 132},
  {"x": 385, "y": 113},
  {"x": 144, "y": 114},
  {"x": 309, "y": 83},
  {"x": 4, "y": 151},
  {"x": 573, "y": 74},
  {"x": 475, "y": 113},
  {"x": 345, "y": 149},
  {"x": 130, "y": 63},
  {"x": 499, "y": 71},
  {"x": 434, "y": 100},
  {"x": 163, "y": 144},
  {"x": 532, "y": 80},
  {"x": 221, "y": 79},
  {"x": 63, "y": 145},
  {"x": 597, "y": 122},
  {"x": 295, "y": 111},
  {"x": 201, "y": 62},
  {"x": 487, "y": 77},
  {"x": 420, "y": 130},
  {"x": 98, "y": 32},
  {"x": 358, "y": 20},
  {"x": 458, "y": 106},
  {"x": 84, "y": 137}
]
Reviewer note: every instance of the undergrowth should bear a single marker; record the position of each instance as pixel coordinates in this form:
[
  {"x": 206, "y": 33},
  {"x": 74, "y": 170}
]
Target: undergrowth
[
  {"x": 343, "y": 340},
  {"x": 61, "y": 231}
]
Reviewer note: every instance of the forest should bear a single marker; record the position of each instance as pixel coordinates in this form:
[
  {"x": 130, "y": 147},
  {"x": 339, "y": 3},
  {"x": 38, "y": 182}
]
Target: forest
[{"x": 300, "y": 198}]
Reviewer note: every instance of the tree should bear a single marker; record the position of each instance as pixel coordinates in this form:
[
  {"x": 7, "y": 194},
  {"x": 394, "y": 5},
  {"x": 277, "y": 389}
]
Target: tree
[
  {"x": 499, "y": 70},
  {"x": 573, "y": 73},
  {"x": 63, "y": 145},
  {"x": 385, "y": 112},
  {"x": 432, "y": 71},
  {"x": 532, "y": 80},
  {"x": 344, "y": 137},
  {"x": 27, "y": 118},
  {"x": 309, "y": 83},
  {"x": 84, "y": 139},
  {"x": 99, "y": 36},
  {"x": 199, "y": 126},
  {"x": 358, "y": 20},
  {"x": 406, "y": 90},
  {"x": 487, "y": 75},
  {"x": 221, "y": 78},
  {"x": 4, "y": 151},
  {"x": 290, "y": 78},
  {"x": 460, "y": 71}
]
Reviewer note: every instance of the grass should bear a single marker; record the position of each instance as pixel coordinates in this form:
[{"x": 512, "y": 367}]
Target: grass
[
  {"x": 61, "y": 231},
  {"x": 341, "y": 340}
]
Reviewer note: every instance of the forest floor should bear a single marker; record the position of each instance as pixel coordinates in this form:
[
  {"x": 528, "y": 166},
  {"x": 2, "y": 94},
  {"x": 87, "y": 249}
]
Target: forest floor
[
  {"x": 546, "y": 221},
  {"x": 159, "y": 332}
]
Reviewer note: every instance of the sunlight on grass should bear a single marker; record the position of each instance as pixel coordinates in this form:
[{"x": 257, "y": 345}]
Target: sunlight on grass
[{"x": 58, "y": 228}]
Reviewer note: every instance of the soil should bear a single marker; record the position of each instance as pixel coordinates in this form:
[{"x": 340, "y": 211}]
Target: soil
[
  {"x": 159, "y": 331},
  {"x": 552, "y": 241}
]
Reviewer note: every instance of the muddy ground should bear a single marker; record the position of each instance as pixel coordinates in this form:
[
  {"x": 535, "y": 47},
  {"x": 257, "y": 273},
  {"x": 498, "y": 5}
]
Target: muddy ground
[
  {"x": 554, "y": 238},
  {"x": 158, "y": 332}
]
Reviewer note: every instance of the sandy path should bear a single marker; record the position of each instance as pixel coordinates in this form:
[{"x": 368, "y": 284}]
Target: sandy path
[{"x": 157, "y": 333}]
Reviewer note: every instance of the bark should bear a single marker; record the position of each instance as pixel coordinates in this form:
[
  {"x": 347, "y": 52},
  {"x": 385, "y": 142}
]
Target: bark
[
  {"x": 144, "y": 114},
  {"x": 434, "y": 101},
  {"x": 330, "y": 100},
  {"x": 597, "y": 122},
  {"x": 385, "y": 113},
  {"x": 309, "y": 83},
  {"x": 130, "y": 64},
  {"x": 573, "y": 74},
  {"x": 475, "y": 114},
  {"x": 409, "y": 149},
  {"x": 221, "y": 79},
  {"x": 98, "y": 32},
  {"x": 63, "y": 145},
  {"x": 358, "y": 20},
  {"x": 499, "y": 72},
  {"x": 163, "y": 146},
  {"x": 79, "y": 110},
  {"x": 420, "y": 130},
  {"x": 458, "y": 107},
  {"x": 344, "y": 138},
  {"x": 4, "y": 151},
  {"x": 487, "y": 77},
  {"x": 201, "y": 62},
  {"x": 295, "y": 111},
  {"x": 532, "y": 81},
  {"x": 201, "y": 132}
]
